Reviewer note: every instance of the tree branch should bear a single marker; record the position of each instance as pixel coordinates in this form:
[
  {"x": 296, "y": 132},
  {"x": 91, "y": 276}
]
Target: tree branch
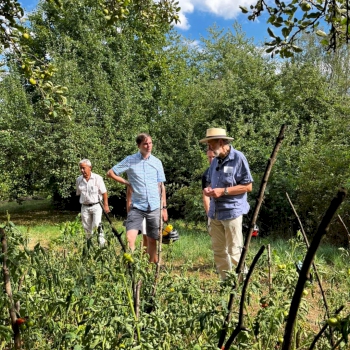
[
  {"x": 240, "y": 326},
  {"x": 304, "y": 273}
]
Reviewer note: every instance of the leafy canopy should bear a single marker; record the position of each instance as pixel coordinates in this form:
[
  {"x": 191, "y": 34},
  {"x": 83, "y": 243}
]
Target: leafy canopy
[{"x": 291, "y": 18}]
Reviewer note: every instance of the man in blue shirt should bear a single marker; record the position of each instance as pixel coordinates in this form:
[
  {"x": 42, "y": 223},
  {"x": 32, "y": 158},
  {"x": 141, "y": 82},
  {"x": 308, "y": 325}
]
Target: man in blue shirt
[
  {"x": 146, "y": 178},
  {"x": 230, "y": 180}
]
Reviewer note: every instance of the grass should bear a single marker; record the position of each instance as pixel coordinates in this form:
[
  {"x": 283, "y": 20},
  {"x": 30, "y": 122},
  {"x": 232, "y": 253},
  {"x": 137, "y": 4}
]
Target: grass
[
  {"x": 37, "y": 218},
  {"x": 42, "y": 223}
]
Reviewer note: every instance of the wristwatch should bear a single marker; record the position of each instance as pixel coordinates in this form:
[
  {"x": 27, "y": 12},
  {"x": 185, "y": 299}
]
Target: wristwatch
[{"x": 225, "y": 191}]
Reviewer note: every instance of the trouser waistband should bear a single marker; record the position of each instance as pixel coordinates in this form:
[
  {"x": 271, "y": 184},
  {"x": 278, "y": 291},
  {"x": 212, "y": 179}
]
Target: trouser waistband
[{"x": 90, "y": 204}]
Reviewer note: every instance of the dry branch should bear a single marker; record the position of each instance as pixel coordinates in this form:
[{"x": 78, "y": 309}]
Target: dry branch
[
  {"x": 240, "y": 326},
  {"x": 157, "y": 273},
  {"x": 304, "y": 273},
  {"x": 269, "y": 264},
  {"x": 345, "y": 228},
  {"x": 313, "y": 264},
  {"x": 260, "y": 198},
  {"x": 114, "y": 230}
]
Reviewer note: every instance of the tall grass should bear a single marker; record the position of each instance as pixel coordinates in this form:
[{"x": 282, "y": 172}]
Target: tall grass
[{"x": 42, "y": 223}]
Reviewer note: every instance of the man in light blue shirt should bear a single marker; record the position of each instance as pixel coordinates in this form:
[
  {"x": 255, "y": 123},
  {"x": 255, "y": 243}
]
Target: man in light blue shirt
[
  {"x": 146, "y": 178},
  {"x": 230, "y": 181}
]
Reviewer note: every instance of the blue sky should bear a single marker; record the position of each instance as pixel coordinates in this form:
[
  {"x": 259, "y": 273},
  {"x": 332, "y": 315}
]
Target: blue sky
[{"x": 198, "y": 15}]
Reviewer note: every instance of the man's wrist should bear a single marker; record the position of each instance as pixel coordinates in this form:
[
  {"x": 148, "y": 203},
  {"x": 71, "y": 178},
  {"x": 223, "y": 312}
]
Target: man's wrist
[{"x": 164, "y": 207}]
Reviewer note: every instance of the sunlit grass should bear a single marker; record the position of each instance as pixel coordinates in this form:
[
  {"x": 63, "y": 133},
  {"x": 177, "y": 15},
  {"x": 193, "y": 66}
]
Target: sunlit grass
[{"x": 42, "y": 223}]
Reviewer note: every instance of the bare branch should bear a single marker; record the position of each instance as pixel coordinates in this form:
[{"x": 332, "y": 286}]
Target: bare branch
[
  {"x": 304, "y": 273},
  {"x": 240, "y": 326}
]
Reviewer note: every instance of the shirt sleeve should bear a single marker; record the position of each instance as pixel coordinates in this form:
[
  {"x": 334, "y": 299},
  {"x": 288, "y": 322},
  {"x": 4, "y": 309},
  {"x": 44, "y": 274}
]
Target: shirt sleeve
[
  {"x": 243, "y": 172},
  {"x": 160, "y": 173},
  {"x": 121, "y": 167},
  {"x": 101, "y": 186}
]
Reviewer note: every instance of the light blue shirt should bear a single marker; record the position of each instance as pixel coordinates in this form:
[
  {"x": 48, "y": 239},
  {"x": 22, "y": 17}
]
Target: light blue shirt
[
  {"x": 232, "y": 171},
  {"x": 144, "y": 176}
]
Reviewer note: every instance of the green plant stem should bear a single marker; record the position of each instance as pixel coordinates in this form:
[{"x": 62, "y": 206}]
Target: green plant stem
[{"x": 132, "y": 308}]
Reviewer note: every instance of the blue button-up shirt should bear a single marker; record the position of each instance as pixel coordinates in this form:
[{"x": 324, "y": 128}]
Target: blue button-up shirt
[
  {"x": 233, "y": 170},
  {"x": 144, "y": 176}
]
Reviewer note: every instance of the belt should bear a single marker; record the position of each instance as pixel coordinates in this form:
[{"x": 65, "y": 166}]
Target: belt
[{"x": 90, "y": 204}]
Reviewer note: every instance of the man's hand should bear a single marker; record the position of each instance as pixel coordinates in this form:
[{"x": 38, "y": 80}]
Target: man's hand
[
  {"x": 213, "y": 192},
  {"x": 106, "y": 208}
]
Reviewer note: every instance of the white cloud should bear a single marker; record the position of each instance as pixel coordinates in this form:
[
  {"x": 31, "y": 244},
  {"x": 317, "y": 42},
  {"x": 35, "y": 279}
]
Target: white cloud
[
  {"x": 183, "y": 22},
  {"x": 227, "y": 9}
]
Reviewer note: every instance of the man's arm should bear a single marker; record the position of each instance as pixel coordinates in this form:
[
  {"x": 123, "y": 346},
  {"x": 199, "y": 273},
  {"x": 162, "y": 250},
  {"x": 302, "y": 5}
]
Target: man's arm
[
  {"x": 232, "y": 191},
  {"x": 128, "y": 198},
  {"x": 105, "y": 202},
  {"x": 164, "y": 206},
  {"x": 206, "y": 202},
  {"x": 117, "y": 178}
]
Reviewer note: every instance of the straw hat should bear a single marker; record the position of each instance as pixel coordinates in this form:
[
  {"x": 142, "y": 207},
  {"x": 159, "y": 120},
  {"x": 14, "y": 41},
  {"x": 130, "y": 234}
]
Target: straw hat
[{"x": 214, "y": 134}]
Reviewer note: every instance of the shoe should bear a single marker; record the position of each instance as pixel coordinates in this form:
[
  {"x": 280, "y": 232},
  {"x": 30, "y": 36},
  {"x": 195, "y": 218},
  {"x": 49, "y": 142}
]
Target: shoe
[{"x": 101, "y": 241}]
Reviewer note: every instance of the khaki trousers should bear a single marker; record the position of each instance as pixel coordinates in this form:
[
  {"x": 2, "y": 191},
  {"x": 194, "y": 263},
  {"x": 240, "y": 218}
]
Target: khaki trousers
[{"x": 227, "y": 243}]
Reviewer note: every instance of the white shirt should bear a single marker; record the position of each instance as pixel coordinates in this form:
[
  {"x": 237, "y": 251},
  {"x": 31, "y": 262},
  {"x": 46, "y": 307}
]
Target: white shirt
[{"x": 90, "y": 191}]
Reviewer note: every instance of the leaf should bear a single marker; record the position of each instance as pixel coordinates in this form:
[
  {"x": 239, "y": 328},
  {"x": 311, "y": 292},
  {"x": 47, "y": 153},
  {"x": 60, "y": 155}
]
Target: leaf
[
  {"x": 70, "y": 335},
  {"x": 320, "y": 33},
  {"x": 271, "y": 19},
  {"x": 286, "y": 31},
  {"x": 296, "y": 48},
  {"x": 313, "y": 15},
  {"x": 271, "y": 32},
  {"x": 243, "y": 9}
]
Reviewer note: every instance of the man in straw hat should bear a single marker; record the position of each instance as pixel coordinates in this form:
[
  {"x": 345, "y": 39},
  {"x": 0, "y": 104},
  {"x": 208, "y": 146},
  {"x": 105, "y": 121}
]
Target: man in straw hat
[{"x": 230, "y": 180}]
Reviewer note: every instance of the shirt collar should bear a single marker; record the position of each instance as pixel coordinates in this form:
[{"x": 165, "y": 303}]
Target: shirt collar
[{"x": 140, "y": 156}]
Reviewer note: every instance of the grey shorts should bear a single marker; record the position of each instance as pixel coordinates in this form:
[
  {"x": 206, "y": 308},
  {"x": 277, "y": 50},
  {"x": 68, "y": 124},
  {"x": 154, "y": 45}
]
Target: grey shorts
[{"x": 135, "y": 219}]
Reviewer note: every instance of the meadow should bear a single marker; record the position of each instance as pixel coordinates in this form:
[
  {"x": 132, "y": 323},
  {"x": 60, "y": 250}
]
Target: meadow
[{"x": 72, "y": 297}]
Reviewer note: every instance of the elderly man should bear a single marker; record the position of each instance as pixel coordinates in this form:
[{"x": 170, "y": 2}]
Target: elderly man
[
  {"x": 91, "y": 188},
  {"x": 146, "y": 176},
  {"x": 230, "y": 180}
]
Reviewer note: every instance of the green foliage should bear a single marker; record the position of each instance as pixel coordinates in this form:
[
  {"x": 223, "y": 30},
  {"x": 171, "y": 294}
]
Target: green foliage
[
  {"x": 10, "y": 13},
  {"x": 73, "y": 296},
  {"x": 134, "y": 74},
  {"x": 290, "y": 18}
]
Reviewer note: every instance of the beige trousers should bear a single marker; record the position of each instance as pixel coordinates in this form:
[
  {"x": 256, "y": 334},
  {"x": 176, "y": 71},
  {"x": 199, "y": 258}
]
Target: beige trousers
[{"x": 227, "y": 243}]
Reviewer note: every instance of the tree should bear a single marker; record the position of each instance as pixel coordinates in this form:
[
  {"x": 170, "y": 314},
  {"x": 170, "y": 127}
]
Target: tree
[
  {"x": 297, "y": 16},
  {"x": 111, "y": 72}
]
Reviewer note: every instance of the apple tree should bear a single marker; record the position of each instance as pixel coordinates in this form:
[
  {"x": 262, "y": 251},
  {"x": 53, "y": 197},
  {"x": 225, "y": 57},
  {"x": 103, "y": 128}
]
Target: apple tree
[{"x": 329, "y": 19}]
